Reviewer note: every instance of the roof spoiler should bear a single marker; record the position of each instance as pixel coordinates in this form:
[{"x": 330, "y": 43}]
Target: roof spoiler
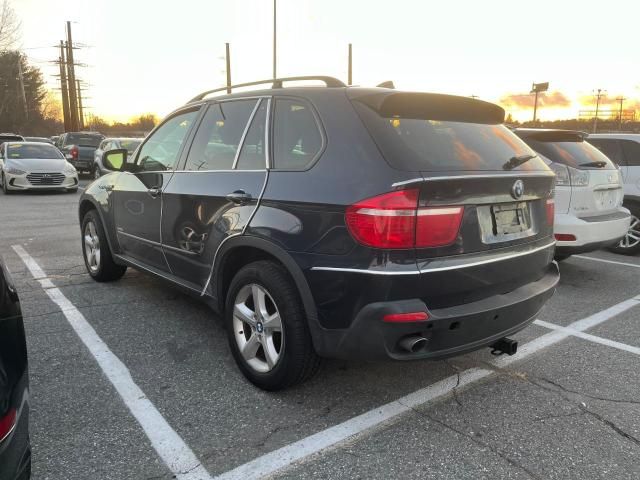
[
  {"x": 433, "y": 106},
  {"x": 553, "y": 135}
]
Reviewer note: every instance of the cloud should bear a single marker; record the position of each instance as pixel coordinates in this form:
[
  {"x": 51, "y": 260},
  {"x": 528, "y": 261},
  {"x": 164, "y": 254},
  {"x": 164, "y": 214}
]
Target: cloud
[{"x": 546, "y": 99}]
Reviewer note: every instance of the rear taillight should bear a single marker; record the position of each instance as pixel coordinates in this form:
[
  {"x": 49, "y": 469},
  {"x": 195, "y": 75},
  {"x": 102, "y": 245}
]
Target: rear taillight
[
  {"x": 74, "y": 152},
  {"x": 7, "y": 423},
  {"x": 394, "y": 221},
  {"x": 550, "y": 207}
]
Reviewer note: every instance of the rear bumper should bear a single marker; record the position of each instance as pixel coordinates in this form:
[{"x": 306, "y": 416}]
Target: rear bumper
[
  {"x": 449, "y": 331},
  {"x": 590, "y": 235}
]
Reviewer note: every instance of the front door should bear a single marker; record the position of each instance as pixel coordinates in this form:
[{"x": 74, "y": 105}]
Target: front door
[
  {"x": 138, "y": 192},
  {"x": 216, "y": 193}
]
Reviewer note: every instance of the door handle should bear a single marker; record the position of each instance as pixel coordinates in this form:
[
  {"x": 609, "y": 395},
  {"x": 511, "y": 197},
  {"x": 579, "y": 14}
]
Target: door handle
[
  {"x": 154, "y": 192},
  {"x": 239, "y": 197}
]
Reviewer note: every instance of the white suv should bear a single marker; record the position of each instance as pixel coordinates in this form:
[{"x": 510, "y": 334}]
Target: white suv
[
  {"x": 588, "y": 203},
  {"x": 624, "y": 149}
]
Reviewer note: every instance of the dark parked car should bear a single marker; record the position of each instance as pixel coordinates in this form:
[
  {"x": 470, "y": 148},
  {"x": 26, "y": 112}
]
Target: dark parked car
[
  {"x": 15, "y": 450},
  {"x": 129, "y": 144},
  {"x": 334, "y": 222},
  {"x": 79, "y": 147}
]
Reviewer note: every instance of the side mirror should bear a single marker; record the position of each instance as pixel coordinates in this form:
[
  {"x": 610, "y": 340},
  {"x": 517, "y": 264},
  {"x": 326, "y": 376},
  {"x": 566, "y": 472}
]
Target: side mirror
[{"x": 114, "y": 159}]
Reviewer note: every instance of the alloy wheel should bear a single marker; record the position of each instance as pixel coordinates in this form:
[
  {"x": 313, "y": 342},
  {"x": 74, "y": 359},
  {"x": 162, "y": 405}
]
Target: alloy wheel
[
  {"x": 632, "y": 237},
  {"x": 92, "y": 247},
  {"x": 257, "y": 328}
]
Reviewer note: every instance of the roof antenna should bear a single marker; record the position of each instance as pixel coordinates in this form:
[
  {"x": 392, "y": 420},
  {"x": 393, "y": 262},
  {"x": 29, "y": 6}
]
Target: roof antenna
[{"x": 387, "y": 84}]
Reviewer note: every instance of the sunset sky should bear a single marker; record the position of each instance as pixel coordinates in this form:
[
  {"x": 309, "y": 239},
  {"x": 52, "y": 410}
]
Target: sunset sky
[{"x": 152, "y": 56}]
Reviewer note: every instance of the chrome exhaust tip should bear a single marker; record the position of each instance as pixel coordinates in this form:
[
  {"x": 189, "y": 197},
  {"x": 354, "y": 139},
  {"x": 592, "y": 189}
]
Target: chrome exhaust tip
[{"x": 413, "y": 343}]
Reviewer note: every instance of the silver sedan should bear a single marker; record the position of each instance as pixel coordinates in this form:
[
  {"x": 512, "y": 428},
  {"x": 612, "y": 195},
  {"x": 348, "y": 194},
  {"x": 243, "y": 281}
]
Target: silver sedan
[{"x": 35, "y": 166}]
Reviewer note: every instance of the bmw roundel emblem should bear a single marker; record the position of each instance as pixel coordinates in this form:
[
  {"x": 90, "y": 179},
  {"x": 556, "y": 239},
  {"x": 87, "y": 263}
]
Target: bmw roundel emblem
[{"x": 518, "y": 189}]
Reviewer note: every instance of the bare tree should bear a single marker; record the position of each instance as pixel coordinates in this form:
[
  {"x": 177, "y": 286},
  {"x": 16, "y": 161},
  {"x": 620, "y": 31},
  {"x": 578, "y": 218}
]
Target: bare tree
[{"x": 9, "y": 26}]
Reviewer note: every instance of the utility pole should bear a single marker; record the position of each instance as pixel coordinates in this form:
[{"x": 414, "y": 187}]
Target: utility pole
[
  {"x": 63, "y": 86},
  {"x": 350, "y": 67},
  {"x": 80, "y": 112},
  {"x": 601, "y": 93},
  {"x": 228, "y": 61},
  {"x": 23, "y": 94},
  {"x": 274, "y": 38},
  {"x": 71, "y": 77},
  {"x": 620, "y": 99}
]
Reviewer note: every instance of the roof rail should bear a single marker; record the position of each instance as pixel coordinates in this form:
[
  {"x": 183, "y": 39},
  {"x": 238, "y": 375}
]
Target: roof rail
[{"x": 276, "y": 83}]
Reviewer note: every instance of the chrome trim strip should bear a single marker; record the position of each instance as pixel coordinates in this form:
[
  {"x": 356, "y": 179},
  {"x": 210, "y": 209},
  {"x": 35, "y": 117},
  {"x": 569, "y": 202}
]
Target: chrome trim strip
[
  {"x": 267, "y": 132},
  {"x": 244, "y": 134},
  {"x": 172, "y": 279},
  {"x": 152, "y": 242},
  {"x": 487, "y": 175},
  {"x": 177, "y": 250},
  {"x": 437, "y": 269}
]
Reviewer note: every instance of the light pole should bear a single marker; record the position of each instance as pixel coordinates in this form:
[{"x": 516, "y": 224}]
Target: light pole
[
  {"x": 274, "y": 37},
  {"x": 538, "y": 88}
]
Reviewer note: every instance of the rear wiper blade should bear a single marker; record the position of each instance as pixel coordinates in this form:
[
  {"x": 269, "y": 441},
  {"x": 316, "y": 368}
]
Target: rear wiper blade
[
  {"x": 599, "y": 164},
  {"x": 517, "y": 160}
]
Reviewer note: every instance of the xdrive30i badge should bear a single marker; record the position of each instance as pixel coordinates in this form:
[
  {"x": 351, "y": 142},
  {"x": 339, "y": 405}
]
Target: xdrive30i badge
[{"x": 518, "y": 189}]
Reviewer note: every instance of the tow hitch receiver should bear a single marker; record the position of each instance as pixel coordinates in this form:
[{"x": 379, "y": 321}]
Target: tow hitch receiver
[{"x": 504, "y": 345}]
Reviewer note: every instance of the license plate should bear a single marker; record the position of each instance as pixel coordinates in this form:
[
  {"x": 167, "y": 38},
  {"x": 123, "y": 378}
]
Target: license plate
[
  {"x": 607, "y": 199},
  {"x": 510, "y": 218}
]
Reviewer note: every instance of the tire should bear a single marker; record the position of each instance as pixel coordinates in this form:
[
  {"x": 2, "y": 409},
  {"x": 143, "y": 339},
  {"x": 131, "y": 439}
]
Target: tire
[
  {"x": 102, "y": 268},
  {"x": 630, "y": 245},
  {"x": 72, "y": 190},
  {"x": 296, "y": 360},
  {"x": 560, "y": 258}
]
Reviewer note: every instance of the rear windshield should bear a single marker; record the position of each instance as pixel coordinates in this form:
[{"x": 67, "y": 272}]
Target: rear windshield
[
  {"x": 20, "y": 150},
  {"x": 432, "y": 145},
  {"x": 580, "y": 154},
  {"x": 83, "y": 140}
]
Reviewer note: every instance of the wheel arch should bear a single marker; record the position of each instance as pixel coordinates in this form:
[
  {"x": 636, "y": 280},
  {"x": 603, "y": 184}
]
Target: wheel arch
[
  {"x": 87, "y": 204},
  {"x": 242, "y": 250}
]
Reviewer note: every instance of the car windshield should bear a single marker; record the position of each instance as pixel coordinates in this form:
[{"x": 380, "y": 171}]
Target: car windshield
[
  {"x": 84, "y": 140},
  {"x": 27, "y": 151},
  {"x": 578, "y": 154},
  {"x": 434, "y": 145},
  {"x": 130, "y": 145}
]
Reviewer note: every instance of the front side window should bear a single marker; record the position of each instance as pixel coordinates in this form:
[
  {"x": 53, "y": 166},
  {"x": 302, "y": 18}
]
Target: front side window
[
  {"x": 631, "y": 152},
  {"x": 219, "y": 135},
  {"x": 296, "y": 137},
  {"x": 160, "y": 152}
]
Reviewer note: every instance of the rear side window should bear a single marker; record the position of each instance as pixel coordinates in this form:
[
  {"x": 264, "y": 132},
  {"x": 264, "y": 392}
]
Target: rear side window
[
  {"x": 296, "y": 136},
  {"x": 631, "y": 152},
  {"x": 580, "y": 155},
  {"x": 610, "y": 147},
  {"x": 419, "y": 144},
  {"x": 219, "y": 135}
]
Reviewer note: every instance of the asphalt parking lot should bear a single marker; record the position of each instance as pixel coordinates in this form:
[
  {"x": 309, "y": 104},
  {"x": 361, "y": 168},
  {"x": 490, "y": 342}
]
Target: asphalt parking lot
[{"x": 566, "y": 406}]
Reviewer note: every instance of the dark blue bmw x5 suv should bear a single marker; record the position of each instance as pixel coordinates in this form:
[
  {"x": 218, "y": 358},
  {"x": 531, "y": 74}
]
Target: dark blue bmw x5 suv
[{"x": 334, "y": 221}]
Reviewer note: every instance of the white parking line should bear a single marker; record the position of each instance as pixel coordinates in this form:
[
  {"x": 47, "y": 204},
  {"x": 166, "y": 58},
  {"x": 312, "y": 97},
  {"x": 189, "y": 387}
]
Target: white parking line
[
  {"x": 626, "y": 264},
  {"x": 286, "y": 456},
  {"x": 591, "y": 338},
  {"x": 167, "y": 443}
]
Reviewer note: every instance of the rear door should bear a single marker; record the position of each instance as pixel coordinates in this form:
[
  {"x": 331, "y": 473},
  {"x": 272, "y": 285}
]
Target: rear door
[
  {"x": 216, "y": 192},
  {"x": 138, "y": 192}
]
